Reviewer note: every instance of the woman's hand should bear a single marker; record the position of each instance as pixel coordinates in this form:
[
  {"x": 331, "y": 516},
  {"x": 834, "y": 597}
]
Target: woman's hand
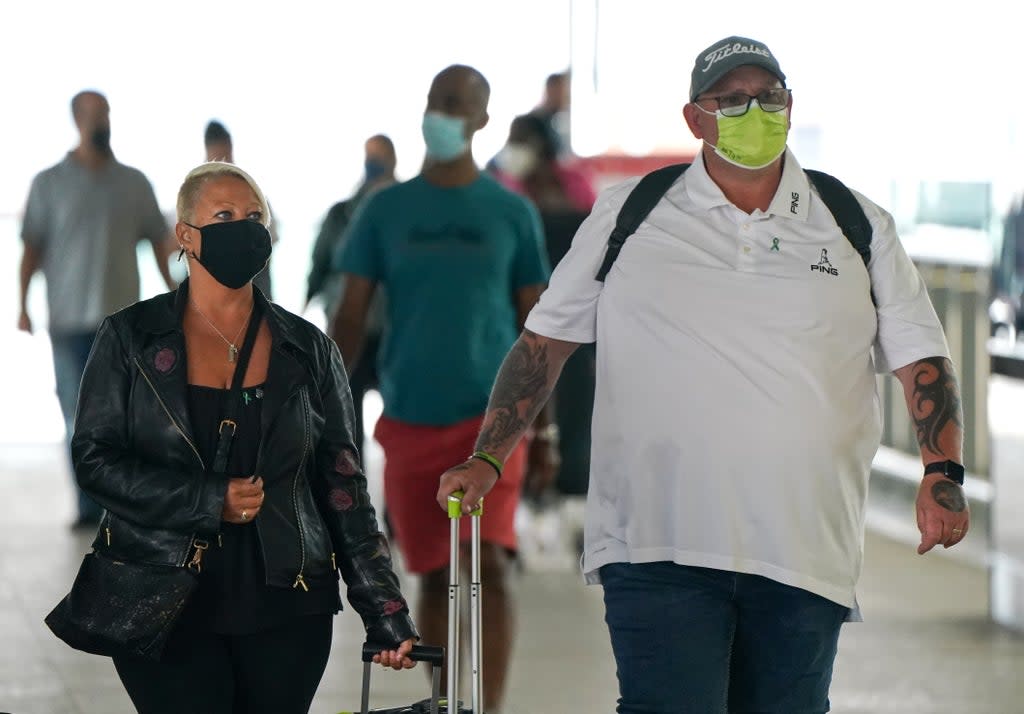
[
  {"x": 397, "y": 659},
  {"x": 243, "y": 500}
]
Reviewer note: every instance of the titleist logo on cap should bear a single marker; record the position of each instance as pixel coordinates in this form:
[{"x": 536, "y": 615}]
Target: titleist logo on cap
[{"x": 734, "y": 49}]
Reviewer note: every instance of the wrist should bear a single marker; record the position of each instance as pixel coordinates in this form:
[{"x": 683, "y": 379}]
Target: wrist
[
  {"x": 948, "y": 468},
  {"x": 492, "y": 461}
]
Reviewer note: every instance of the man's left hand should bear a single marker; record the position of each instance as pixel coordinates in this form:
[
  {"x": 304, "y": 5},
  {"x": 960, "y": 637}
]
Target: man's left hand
[{"x": 943, "y": 515}]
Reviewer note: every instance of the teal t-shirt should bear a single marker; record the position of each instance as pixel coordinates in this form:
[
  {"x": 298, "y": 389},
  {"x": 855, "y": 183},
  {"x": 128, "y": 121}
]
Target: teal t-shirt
[{"x": 450, "y": 261}]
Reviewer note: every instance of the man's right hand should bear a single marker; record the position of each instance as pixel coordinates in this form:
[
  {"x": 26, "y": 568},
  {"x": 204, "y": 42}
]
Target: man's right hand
[
  {"x": 25, "y": 322},
  {"x": 473, "y": 477}
]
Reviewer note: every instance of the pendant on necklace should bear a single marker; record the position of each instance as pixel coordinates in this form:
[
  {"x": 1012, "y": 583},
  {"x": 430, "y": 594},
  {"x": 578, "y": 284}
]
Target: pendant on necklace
[{"x": 232, "y": 353}]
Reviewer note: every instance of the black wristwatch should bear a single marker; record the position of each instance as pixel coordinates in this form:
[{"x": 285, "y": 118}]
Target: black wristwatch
[{"x": 950, "y": 469}]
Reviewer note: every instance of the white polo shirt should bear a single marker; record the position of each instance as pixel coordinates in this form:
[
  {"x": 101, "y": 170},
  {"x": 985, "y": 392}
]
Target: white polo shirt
[{"x": 736, "y": 413}]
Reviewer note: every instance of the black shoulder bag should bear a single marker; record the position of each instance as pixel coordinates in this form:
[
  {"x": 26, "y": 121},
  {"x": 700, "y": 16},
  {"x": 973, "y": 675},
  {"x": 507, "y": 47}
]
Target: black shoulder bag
[{"x": 123, "y": 608}]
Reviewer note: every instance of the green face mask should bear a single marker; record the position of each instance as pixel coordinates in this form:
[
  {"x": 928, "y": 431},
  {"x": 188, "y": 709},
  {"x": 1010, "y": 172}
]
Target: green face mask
[{"x": 751, "y": 141}]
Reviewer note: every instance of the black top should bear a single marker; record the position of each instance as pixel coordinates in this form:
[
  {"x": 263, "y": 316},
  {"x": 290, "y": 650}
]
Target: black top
[{"x": 233, "y": 597}]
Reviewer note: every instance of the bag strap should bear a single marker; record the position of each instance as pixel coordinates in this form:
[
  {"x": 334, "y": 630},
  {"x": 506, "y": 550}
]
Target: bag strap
[
  {"x": 846, "y": 209},
  {"x": 233, "y": 403},
  {"x": 837, "y": 197},
  {"x": 639, "y": 204}
]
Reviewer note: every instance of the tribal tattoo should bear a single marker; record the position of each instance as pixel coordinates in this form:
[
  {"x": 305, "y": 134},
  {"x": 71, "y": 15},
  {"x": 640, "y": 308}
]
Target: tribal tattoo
[
  {"x": 523, "y": 378},
  {"x": 935, "y": 402},
  {"x": 949, "y": 495}
]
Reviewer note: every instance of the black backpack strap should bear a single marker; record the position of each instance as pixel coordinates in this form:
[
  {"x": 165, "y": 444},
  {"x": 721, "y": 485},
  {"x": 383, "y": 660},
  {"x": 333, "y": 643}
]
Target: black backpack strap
[
  {"x": 846, "y": 210},
  {"x": 639, "y": 204}
]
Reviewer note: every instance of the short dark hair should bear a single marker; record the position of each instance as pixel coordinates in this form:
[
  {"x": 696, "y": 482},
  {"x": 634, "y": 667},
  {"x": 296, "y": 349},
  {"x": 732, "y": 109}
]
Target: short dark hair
[
  {"x": 76, "y": 101},
  {"x": 386, "y": 140},
  {"x": 216, "y": 133},
  {"x": 556, "y": 78},
  {"x": 543, "y": 132}
]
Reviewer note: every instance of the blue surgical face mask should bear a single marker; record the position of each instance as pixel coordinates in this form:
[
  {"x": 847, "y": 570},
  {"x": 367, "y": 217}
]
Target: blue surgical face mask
[
  {"x": 445, "y": 136},
  {"x": 375, "y": 168}
]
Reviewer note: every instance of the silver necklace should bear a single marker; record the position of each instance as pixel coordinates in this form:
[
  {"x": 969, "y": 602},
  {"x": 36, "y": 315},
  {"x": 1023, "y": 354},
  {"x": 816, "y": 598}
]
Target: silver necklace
[{"x": 232, "y": 348}]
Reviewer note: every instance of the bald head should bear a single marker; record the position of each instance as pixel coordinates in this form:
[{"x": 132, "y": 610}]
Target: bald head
[
  {"x": 87, "y": 104},
  {"x": 468, "y": 83}
]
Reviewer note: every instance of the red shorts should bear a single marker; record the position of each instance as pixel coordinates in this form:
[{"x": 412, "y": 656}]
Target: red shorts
[{"x": 415, "y": 456}]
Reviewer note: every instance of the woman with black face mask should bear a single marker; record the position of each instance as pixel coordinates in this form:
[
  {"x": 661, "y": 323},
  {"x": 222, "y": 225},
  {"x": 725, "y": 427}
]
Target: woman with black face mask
[{"x": 216, "y": 429}]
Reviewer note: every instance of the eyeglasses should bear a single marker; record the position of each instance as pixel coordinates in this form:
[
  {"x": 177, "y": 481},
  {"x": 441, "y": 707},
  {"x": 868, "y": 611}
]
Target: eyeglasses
[{"x": 736, "y": 105}]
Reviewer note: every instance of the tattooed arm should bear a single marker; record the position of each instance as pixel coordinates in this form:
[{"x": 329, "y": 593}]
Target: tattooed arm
[
  {"x": 933, "y": 399},
  {"x": 525, "y": 381},
  {"x": 544, "y": 457}
]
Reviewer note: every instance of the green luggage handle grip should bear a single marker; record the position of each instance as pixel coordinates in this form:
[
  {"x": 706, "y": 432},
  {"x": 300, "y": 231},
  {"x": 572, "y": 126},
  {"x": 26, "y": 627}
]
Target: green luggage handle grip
[{"x": 455, "y": 505}]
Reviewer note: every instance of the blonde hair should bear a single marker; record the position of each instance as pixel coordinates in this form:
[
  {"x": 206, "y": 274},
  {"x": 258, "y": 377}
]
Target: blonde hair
[{"x": 193, "y": 184}]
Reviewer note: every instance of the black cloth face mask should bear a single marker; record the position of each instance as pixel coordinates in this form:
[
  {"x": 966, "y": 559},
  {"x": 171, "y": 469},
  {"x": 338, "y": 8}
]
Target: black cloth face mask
[
  {"x": 100, "y": 139},
  {"x": 234, "y": 252}
]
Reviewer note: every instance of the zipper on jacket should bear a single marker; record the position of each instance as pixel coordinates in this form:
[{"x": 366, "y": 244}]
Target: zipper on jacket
[
  {"x": 199, "y": 545},
  {"x": 168, "y": 412},
  {"x": 299, "y": 579}
]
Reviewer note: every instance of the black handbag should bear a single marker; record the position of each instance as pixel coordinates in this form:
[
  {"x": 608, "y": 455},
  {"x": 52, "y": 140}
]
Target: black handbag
[{"x": 124, "y": 608}]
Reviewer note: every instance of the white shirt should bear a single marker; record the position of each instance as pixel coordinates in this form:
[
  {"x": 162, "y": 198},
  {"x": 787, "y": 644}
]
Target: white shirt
[{"x": 736, "y": 413}]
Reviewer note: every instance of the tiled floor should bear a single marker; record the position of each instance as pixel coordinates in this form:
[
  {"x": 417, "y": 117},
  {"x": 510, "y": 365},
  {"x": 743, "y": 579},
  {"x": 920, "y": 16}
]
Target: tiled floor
[{"x": 926, "y": 648}]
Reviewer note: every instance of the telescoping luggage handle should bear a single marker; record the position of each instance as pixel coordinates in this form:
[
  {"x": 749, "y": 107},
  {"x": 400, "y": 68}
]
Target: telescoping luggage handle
[
  {"x": 421, "y": 653},
  {"x": 454, "y": 514}
]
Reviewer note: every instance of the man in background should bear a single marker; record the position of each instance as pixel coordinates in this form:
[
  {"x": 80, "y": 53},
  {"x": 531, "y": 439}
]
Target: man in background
[
  {"x": 462, "y": 260},
  {"x": 326, "y": 283},
  {"x": 553, "y": 109},
  {"x": 82, "y": 222}
]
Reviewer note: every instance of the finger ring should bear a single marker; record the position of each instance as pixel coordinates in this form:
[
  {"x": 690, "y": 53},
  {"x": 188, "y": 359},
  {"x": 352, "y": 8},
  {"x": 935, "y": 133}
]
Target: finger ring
[
  {"x": 245, "y": 515},
  {"x": 958, "y": 530}
]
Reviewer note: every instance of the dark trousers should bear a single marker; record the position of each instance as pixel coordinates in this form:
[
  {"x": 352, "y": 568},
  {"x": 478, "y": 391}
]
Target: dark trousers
[
  {"x": 70, "y": 353},
  {"x": 272, "y": 672},
  {"x": 363, "y": 379},
  {"x": 709, "y": 641}
]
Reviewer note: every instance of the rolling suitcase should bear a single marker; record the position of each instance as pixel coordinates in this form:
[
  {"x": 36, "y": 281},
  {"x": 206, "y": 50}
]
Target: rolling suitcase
[{"x": 435, "y": 655}]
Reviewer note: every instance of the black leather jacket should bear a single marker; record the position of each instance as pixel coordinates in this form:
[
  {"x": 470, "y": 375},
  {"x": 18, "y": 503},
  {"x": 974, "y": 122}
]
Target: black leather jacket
[{"x": 134, "y": 454}]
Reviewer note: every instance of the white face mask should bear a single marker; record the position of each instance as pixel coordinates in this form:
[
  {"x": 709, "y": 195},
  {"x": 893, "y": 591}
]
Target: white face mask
[{"x": 517, "y": 160}]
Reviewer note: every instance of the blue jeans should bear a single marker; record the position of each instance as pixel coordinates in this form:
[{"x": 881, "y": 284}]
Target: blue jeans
[
  {"x": 690, "y": 639},
  {"x": 70, "y": 353}
]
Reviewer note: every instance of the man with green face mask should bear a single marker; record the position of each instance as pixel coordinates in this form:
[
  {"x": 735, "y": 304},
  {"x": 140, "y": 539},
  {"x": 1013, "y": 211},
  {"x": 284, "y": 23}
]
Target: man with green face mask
[{"x": 736, "y": 416}]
